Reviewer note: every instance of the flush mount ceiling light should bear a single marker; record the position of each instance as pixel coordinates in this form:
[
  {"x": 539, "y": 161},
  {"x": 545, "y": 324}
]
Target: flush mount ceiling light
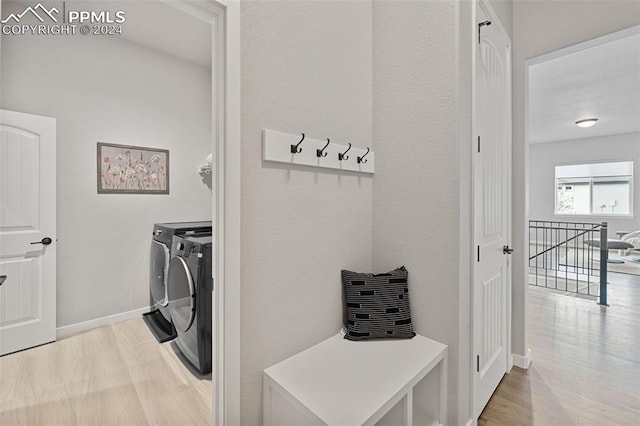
[{"x": 587, "y": 122}]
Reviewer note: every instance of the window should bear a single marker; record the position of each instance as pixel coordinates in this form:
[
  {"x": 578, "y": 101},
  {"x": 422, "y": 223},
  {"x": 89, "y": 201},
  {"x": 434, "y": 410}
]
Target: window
[{"x": 599, "y": 189}]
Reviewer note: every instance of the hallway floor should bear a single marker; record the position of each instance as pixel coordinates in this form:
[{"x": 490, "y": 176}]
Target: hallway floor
[
  {"x": 586, "y": 362},
  {"x": 113, "y": 375}
]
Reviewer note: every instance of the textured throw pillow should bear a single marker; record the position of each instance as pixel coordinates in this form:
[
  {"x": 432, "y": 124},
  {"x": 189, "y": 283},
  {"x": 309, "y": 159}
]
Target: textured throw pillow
[{"x": 377, "y": 305}]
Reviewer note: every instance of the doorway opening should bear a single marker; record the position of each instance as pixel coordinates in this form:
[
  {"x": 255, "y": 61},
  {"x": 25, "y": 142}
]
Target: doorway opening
[
  {"x": 583, "y": 177},
  {"x": 79, "y": 304}
]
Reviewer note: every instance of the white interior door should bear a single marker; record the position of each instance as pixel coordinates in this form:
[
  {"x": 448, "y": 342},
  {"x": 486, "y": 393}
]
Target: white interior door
[
  {"x": 27, "y": 231},
  {"x": 492, "y": 209}
]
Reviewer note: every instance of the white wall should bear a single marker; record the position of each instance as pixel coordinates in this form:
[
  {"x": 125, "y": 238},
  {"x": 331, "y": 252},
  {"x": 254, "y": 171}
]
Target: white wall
[
  {"x": 543, "y": 26},
  {"x": 421, "y": 194},
  {"x": 544, "y": 157},
  {"x": 109, "y": 90},
  {"x": 306, "y": 67}
]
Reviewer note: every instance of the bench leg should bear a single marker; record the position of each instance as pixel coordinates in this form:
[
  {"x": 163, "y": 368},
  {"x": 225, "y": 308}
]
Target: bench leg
[
  {"x": 443, "y": 391},
  {"x": 408, "y": 409}
]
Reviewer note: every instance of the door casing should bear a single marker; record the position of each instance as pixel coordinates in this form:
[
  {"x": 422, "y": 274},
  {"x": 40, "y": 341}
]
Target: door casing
[{"x": 224, "y": 18}]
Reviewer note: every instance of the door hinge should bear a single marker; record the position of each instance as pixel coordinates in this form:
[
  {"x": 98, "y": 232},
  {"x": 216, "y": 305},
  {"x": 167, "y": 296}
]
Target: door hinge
[
  {"x": 480, "y": 25},
  {"x": 478, "y": 363},
  {"x": 478, "y": 143},
  {"x": 478, "y": 253}
]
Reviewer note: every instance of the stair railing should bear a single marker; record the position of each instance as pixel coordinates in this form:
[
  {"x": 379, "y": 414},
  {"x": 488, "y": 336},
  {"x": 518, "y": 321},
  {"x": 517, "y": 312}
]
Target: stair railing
[{"x": 569, "y": 256}]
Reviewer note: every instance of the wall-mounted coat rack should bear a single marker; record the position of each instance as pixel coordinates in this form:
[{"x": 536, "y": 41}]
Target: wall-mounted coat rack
[{"x": 302, "y": 150}]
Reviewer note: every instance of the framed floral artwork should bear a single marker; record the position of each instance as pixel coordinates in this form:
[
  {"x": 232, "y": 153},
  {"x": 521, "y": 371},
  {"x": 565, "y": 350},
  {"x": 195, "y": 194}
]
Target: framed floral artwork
[{"x": 126, "y": 169}]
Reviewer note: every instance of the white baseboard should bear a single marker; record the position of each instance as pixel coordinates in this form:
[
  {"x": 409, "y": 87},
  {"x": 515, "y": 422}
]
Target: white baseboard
[
  {"x": 522, "y": 361},
  {"x": 99, "y": 322}
]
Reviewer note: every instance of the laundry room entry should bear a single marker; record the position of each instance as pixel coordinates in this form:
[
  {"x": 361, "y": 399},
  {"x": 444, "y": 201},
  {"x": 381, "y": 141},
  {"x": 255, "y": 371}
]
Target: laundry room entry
[{"x": 154, "y": 88}]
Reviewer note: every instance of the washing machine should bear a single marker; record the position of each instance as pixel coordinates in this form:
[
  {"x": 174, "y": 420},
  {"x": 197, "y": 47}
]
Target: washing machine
[
  {"x": 158, "y": 318},
  {"x": 190, "y": 285}
]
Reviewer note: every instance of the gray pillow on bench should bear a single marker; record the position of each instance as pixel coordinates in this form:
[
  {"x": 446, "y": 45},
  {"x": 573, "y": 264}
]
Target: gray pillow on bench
[{"x": 377, "y": 305}]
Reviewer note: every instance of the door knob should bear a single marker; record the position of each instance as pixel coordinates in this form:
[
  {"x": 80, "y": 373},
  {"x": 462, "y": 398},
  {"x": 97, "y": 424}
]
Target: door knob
[
  {"x": 3, "y": 278},
  {"x": 507, "y": 250},
  {"x": 45, "y": 241}
]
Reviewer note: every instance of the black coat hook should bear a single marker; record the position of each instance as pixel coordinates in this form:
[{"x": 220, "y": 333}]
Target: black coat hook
[
  {"x": 295, "y": 149},
  {"x": 320, "y": 152},
  {"x": 361, "y": 159},
  {"x": 343, "y": 155}
]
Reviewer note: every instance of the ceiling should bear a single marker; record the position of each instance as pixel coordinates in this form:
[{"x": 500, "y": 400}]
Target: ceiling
[
  {"x": 159, "y": 26},
  {"x": 602, "y": 81},
  {"x": 154, "y": 24}
]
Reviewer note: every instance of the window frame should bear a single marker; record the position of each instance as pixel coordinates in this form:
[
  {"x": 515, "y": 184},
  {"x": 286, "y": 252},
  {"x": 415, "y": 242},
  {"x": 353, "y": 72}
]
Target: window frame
[{"x": 591, "y": 179}]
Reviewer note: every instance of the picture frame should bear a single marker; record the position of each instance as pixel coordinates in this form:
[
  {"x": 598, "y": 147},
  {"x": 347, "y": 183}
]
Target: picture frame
[{"x": 127, "y": 169}]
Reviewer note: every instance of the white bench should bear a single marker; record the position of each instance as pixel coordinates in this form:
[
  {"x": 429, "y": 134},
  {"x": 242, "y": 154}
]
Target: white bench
[{"x": 344, "y": 383}]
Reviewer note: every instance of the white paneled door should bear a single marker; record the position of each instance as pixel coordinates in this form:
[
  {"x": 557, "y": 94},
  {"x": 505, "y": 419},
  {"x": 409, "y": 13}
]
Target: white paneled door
[
  {"x": 492, "y": 208},
  {"x": 27, "y": 231}
]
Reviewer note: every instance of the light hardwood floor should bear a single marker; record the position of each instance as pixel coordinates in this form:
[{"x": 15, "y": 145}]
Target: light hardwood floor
[
  {"x": 586, "y": 362},
  {"x": 585, "y": 371},
  {"x": 113, "y": 375}
]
